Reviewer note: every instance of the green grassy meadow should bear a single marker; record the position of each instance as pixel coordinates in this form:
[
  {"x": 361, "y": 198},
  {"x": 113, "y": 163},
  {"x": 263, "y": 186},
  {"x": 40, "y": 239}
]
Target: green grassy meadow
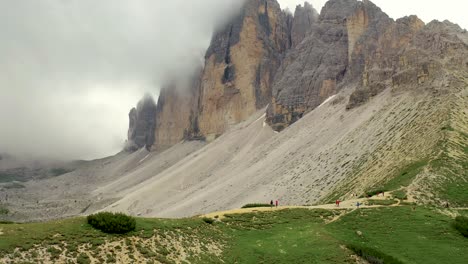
[{"x": 405, "y": 234}]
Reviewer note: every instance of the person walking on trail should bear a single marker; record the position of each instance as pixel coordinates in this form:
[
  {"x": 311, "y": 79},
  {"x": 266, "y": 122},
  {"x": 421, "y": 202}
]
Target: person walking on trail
[
  {"x": 276, "y": 203},
  {"x": 338, "y": 203},
  {"x": 358, "y": 204},
  {"x": 271, "y": 203}
]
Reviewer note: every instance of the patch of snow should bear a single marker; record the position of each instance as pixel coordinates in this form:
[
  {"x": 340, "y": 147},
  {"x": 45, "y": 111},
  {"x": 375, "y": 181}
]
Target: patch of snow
[
  {"x": 143, "y": 159},
  {"x": 326, "y": 101},
  {"x": 263, "y": 116}
]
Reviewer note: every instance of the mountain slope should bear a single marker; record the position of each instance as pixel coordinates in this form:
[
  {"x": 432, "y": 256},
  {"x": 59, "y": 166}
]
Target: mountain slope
[{"x": 330, "y": 153}]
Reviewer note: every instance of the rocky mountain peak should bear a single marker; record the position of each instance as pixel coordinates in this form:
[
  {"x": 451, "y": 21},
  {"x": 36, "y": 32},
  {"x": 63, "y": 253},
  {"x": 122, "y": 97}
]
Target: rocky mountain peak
[
  {"x": 142, "y": 124},
  {"x": 304, "y": 17}
]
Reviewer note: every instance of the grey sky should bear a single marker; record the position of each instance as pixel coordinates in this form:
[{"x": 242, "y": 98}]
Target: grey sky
[{"x": 70, "y": 70}]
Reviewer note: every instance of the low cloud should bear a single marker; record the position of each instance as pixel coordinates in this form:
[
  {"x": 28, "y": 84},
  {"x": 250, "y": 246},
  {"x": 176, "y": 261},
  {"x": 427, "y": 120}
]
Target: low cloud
[{"x": 70, "y": 70}]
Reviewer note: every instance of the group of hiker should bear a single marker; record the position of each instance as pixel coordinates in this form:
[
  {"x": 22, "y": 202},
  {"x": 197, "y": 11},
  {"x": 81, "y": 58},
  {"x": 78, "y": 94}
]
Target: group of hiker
[
  {"x": 337, "y": 203},
  {"x": 276, "y": 203}
]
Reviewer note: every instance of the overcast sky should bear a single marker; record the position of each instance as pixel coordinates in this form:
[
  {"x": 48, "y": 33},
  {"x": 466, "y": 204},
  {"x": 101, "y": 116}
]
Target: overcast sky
[{"x": 70, "y": 70}]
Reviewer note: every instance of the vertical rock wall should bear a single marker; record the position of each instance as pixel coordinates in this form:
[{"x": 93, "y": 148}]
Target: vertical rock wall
[
  {"x": 240, "y": 65},
  {"x": 177, "y": 106},
  {"x": 142, "y": 125}
]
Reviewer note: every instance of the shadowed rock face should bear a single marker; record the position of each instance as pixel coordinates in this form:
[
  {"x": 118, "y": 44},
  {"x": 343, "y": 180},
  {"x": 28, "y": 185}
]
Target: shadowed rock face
[
  {"x": 142, "y": 125},
  {"x": 311, "y": 71},
  {"x": 304, "y": 18}
]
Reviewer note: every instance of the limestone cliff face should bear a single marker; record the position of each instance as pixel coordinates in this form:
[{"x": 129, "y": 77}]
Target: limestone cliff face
[
  {"x": 411, "y": 55},
  {"x": 142, "y": 125},
  {"x": 240, "y": 65},
  {"x": 265, "y": 56},
  {"x": 312, "y": 70},
  {"x": 354, "y": 44},
  {"x": 176, "y": 113}
]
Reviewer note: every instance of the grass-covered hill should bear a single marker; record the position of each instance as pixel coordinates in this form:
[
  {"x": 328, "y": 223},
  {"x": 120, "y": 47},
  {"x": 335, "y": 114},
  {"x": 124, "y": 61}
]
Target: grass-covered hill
[{"x": 396, "y": 234}]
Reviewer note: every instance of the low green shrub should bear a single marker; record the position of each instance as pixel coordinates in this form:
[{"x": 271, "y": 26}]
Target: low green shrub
[
  {"x": 254, "y": 205},
  {"x": 461, "y": 224},
  {"x": 381, "y": 202},
  {"x": 208, "y": 220},
  {"x": 112, "y": 223},
  {"x": 373, "y": 256},
  {"x": 83, "y": 259},
  {"x": 374, "y": 192},
  {"x": 4, "y": 210},
  {"x": 400, "y": 194}
]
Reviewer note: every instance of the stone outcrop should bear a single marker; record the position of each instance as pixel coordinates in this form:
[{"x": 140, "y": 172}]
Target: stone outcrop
[
  {"x": 240, "y": 65},
  {"x": 304, "y": 19},
  {"x": 176, "y": 113},
  {"x": 355, "y": 44},
  {"x": 142, "y": 125},
  {"x": 311, "y": 72}
]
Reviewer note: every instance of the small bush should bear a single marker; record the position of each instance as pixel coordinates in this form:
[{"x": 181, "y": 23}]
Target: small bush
[
  {"x": 374, "y": 192},
  {"x": 254, "y": 205},
  {"x": 208, "y": 220},
  {"x": 373, "y": 256},
  {"x": 112, "y": 223},
  {"x": 83, "y": 259},
  {"x": 461, "y": 224},
  {"x": 381, "y": 202},
  {"x": 400, "y": 194},
  {"x": 4, "y": 210}
]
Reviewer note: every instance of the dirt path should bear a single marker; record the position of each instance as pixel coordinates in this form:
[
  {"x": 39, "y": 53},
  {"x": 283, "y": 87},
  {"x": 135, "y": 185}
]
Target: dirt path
[{"x": 348, "y": 204}]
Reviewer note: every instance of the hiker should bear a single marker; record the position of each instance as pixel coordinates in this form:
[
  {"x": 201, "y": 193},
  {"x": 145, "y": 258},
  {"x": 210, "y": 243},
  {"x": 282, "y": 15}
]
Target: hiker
[
  {"x": 383, "y": 194},
  {"x": 447, "y": 205},
  {"x": 338, "y": 203},
  {"x": 276, "y": 203},
  {"x": 358, "y": 204},
  {"x": 271, "y": 203}
]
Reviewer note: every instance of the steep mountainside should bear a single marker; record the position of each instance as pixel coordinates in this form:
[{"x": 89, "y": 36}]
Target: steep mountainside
[
  {"x": 237, "y": 77},
  {"x": 303, "y": 109}
]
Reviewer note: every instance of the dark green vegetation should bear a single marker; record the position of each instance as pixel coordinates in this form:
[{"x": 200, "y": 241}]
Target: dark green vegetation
[
  {"x": 409, "y": 236},
  {"x": 208, "y": 220},
  {"x": 381, "y": 202},
  {"x": 379, "y": 235},
  {"x": 3, "y": 210},
  {"x": 375, "y": 192},
  {"x": 461, "y": 224},
  {"x": 254, "y": 205},
  {"x": 112, "y": 223},
  {"x": 400, "y": 195},
  {"x": 406, "y": 175},
  {"x": 373, "y": 256}
]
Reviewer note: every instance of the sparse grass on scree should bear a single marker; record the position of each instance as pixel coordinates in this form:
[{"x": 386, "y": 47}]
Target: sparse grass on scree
[{"x": 393, "y": 234}]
